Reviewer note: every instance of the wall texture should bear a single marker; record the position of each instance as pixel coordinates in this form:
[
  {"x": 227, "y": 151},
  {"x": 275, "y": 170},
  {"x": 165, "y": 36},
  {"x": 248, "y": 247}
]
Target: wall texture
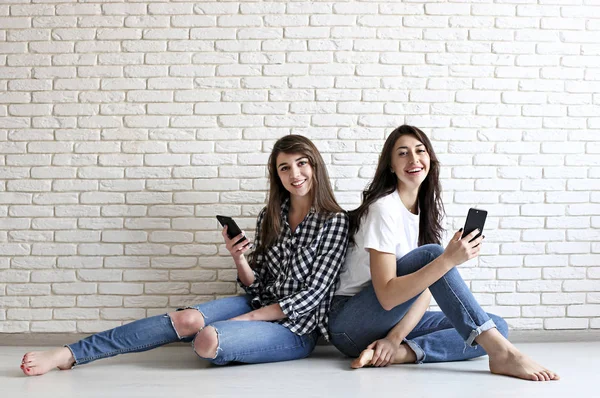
[{"x": 126, "y": 126}]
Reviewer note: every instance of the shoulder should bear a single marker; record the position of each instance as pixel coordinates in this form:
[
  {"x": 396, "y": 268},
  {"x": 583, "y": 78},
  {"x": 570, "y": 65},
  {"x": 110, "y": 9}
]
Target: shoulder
[
  {"x": 384, "y": 206},
  {"x": 339, "y": 220},
  {"x": 261, "y": 215}
]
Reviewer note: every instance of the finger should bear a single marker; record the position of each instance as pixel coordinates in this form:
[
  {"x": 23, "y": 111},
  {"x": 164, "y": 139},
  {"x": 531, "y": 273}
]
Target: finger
[
  {"x": 370, "y": 346},
  {"x": 476, "y": 242},
  {"x": 388, "y": 360},
  {"x": 246, "y": 248},
  {"x": 380, "y": 359},
  {"x": 375, "y": 358},
  {"x": 224, "y": 233},
  {"x": 457, "y": 234},
  {"x": 472, "y": 235},
  {"x": 240, "y": 236}
]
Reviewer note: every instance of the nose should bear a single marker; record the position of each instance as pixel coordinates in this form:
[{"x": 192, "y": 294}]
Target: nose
[{"x": 295, "y": 171}]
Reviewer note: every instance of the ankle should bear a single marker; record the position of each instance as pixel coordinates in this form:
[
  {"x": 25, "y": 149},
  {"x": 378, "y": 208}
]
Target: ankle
[{"x": 407, "y": 354}]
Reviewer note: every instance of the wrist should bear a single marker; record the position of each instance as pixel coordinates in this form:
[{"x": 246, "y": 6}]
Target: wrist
[
  {"x": 396, "y": 339},
  {"x": 239, "y": 260},
  {"x": 446, "y": 262}
]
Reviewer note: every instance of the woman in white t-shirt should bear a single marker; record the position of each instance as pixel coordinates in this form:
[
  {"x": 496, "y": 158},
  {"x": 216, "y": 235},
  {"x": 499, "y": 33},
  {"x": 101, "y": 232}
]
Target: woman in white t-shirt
[{"x": 395, "y": 264}]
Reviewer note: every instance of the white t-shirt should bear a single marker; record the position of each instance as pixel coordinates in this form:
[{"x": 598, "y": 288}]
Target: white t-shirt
[{"x": 389, "y": 228}]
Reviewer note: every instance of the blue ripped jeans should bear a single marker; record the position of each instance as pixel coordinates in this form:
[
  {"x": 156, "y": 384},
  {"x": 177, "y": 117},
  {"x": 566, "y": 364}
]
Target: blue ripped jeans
[
  {"x": 357, "y": 321},
  {"x": 239, "y": 341}
]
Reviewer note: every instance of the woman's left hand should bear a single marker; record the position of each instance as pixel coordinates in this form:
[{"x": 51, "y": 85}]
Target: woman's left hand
[{"x": 385, "y": 350}]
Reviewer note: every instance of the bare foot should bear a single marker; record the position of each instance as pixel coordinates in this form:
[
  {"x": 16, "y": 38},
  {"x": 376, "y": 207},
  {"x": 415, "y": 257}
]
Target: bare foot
[
  {"x": 515, "y": 364},
  {"x": 37, "y": 363},
  {"x": 363, "y": 359},
  {"x": 404, "y": 354}
]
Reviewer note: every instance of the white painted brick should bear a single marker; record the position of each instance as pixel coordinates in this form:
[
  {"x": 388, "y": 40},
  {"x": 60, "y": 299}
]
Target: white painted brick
[
  {"x": 538, "y": 286},
  {"x": 508, "y": 88},
  {"x": 518, "y": 298},
  {"x": 76, "y": 313},
  {"x": 53, "y": 301},
  {"x": 578, "y": 286},
  {"x": 99, "y": 301},
  {"x": 492, "y": 286},
  {"x": 121, "y": 288},
  {"x": 74, "y": 288}
]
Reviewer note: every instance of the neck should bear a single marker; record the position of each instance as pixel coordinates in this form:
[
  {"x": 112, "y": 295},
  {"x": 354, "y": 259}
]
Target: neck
[
  {"x": 300, "y": 205},
  {"x": 409, "y": 197}
]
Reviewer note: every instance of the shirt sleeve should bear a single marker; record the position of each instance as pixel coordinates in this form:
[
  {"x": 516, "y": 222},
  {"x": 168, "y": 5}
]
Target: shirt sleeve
[
  {"x": 325, "y": 269},
  {"x": 258, "y": 270},
  {"x": 381, "y": 232}
]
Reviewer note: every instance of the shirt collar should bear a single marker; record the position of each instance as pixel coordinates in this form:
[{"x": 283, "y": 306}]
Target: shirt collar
[{"x": 285, "y": 210}]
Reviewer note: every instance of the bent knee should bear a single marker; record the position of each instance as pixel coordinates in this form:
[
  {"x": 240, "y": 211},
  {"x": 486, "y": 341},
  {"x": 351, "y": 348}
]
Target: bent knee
[
  {"x": 206, "y": 343},
  {"x": 434, "y": 249},
  {"x": 187, "y": 322}
]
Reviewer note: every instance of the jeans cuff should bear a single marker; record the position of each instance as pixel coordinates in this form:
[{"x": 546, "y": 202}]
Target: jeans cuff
[
  {"x": 486, "y": 326},
  {"x": 418, "y": 350}
]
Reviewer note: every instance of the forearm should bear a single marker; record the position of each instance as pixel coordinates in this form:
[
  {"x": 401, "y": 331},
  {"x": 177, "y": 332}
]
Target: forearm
[
  {"x": 269, "y": 313},
  {"x": 411, "y": 319},
  {"x": 400, "y": 289},
  {"x": 245, "y": 273}
]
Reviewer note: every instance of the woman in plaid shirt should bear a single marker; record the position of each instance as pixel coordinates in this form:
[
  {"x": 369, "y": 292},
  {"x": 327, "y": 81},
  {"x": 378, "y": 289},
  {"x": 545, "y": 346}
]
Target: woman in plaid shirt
[{"x": 301, "y": 239}]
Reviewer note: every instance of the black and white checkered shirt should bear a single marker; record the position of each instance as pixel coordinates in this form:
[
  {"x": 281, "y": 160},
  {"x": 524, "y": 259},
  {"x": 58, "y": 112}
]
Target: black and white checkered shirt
[{"x": 300, "y": 271}]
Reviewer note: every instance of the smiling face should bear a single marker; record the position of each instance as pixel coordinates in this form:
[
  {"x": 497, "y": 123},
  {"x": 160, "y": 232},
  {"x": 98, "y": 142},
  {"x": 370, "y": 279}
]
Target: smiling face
[
  {"x": 410, "y": 161},
  {"x": 295, "y": 172}
]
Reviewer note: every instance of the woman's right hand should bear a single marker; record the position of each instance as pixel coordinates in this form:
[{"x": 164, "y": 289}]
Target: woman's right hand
[
  {"x": 460, "y": 250},
  {"x": 236, "y": 250}
]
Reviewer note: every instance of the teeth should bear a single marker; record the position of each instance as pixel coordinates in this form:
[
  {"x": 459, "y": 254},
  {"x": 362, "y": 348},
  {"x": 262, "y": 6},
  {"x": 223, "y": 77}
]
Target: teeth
[
  {"x": 414, "y": 170},
  {"x": 297, "y": 183}
]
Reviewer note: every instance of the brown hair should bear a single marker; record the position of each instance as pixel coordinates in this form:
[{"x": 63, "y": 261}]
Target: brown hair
[
  {"x": 322, "y": 194},
  {"x": 384, "y": 182}
]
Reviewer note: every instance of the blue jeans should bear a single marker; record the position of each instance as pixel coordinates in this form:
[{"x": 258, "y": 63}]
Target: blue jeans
[
  {"x": 357, "y": 321},
  {"x": 239, "y": 341}
]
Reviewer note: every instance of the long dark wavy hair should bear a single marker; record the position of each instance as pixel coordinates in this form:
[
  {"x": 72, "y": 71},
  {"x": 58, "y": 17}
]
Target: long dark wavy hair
[
  {"x": 385, "y": 182},
  {"x": 323, "y": 200}
]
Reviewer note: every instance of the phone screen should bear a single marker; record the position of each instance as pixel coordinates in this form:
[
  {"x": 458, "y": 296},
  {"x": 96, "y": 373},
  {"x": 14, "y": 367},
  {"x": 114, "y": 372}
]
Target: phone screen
[{"x": 475, "y": 220}]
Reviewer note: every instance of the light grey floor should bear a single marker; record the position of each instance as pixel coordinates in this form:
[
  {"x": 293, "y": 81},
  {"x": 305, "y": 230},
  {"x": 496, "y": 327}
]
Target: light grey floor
[{"x": 175, "y": 372}]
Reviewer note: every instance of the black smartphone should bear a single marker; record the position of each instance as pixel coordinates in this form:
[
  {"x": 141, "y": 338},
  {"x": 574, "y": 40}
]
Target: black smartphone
[
  {"x": 475, "y": 220},
  {"x": 232, "y": 228}
]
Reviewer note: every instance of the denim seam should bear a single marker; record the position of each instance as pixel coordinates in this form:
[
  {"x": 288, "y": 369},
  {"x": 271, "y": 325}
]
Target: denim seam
[
  {"x": 122, "y": 351},
  {"x": 461, "y": 303},
  {"x": 349, "y": 339}
]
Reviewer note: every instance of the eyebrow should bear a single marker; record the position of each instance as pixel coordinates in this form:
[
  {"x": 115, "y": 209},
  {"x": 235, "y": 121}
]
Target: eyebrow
[
  {"x": 405, "y": 147},
  {"x": 284, "y": 163}
]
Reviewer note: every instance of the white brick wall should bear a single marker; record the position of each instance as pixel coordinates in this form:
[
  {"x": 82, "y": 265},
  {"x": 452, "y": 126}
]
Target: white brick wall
[{"x": 125, "y": 127}]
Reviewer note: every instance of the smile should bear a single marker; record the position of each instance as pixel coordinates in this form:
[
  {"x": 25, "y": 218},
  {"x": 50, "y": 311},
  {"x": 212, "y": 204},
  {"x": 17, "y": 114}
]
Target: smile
[
  {"x": 415, "y": 170},
  {"x": 298, "y": 184}
]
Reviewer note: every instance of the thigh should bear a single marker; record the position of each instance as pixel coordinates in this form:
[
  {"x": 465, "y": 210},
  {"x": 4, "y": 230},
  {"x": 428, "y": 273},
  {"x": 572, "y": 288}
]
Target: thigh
[
  {"x": 361, "y": 320},
  {"x": 223, "y": 309},
  {"x": 259, "y": 342},
  {"x": 432, "y": 321}
]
